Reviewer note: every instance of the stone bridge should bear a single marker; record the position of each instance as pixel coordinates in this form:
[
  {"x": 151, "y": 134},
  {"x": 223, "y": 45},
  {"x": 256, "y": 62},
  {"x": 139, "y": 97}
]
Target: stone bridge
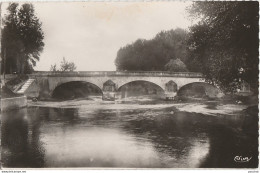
[{"x": 109, "y": 82}]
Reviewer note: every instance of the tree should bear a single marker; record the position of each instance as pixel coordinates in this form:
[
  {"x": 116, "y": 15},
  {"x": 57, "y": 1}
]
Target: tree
[
  {"x": 154, "y": 54},
  {"x": 22, "y": 39},
  {"x": 64, "y": 66},
  {"x": 176, "y": 65},
  {"x": 225, "y": 42},
  {"x": 67, "y": 66},
  {"x": 54, "y": 68}
]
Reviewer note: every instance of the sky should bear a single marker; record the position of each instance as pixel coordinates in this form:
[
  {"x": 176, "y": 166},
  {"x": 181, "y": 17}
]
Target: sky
[{"x": 90, "y": 33}]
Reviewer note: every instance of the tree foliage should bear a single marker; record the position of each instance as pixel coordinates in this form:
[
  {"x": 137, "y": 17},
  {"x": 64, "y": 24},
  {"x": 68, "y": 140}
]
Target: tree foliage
[
  {"x": 176, "y": 65},
  {"x": 64, "y": 66},
  {"x": 54, "y": 68},
  {"x": 22, "y": 39},
  {"x": 224, "y": 44},
  {"x": 154, "y": 54},
  {"x": 67, "y": 66}
]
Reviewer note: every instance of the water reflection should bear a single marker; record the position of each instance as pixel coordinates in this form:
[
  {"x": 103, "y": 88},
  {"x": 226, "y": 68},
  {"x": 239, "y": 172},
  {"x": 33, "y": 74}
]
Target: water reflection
[
  {"x": 96, "y": 147},
  {"x": 117, "y": 137},
  {"x": 20, "y": 140}
]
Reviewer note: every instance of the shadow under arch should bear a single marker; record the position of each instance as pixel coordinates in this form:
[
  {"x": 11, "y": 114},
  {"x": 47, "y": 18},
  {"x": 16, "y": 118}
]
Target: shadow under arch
[
  {"x": 199, "y": 89},
  {"x": 76, "y": 89},
  {"x": 139, "y": 87}
]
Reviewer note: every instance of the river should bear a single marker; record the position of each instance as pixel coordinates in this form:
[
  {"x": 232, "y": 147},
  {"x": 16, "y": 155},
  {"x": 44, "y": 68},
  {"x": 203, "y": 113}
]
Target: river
[{"x": 129, "y": 133}]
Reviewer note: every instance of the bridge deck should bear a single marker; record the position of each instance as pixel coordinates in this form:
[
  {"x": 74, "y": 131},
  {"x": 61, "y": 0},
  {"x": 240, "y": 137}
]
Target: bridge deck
[{"x": 118, "y": 73}]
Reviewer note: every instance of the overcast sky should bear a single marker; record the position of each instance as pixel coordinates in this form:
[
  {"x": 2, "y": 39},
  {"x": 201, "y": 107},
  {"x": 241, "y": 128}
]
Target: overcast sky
[{"x": 91, "y": 33}]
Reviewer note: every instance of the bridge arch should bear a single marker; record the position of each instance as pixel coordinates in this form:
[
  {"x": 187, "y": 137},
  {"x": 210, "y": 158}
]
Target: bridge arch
[
  {"x": 199, "y": 89},
  {"x": 77, "y": 87},
  {"x": 157, "y": 83},
  {"x": 139, "y": 87},
  {"x": 146, "y": 81}
]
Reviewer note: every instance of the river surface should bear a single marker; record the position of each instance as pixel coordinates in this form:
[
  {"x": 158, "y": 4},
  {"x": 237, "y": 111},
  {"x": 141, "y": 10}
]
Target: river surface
[{"x": 130, "y": 133}]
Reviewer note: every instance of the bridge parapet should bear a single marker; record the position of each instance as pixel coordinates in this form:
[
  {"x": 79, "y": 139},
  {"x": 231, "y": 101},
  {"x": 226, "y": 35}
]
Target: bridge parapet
[{"x": 117, "y": 73}]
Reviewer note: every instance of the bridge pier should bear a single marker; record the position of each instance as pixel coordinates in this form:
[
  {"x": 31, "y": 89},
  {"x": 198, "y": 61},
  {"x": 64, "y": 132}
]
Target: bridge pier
[
  {"x": 109, "y": 96},
  {"x": 170, "y": 95},
  {"x": 109, "y": 91},
  {"x": 171, "y": 89}
]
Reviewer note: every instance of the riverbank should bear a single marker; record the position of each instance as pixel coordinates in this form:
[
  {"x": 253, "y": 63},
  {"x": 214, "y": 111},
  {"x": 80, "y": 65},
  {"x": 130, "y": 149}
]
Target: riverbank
[
  {"x": 13, "y": 103},
  {"x": 208, "y": 107},
  {"x": 10, "y": 100},
  {"x": 250, "y": 100}
]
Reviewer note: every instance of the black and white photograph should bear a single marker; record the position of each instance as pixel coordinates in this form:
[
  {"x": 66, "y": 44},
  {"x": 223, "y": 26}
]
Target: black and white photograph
[{"x": 129, "y": 85}]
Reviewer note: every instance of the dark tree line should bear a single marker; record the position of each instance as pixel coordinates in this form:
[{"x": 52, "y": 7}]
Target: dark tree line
[
  {"x": 223, "y": 45},
  {"x": 154, "y": 54},
  {"x": 22, "y": 39}
]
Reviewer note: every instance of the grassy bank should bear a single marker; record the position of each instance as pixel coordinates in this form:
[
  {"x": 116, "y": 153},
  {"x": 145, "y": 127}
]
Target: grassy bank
[{"x": 7, "y": 93}]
